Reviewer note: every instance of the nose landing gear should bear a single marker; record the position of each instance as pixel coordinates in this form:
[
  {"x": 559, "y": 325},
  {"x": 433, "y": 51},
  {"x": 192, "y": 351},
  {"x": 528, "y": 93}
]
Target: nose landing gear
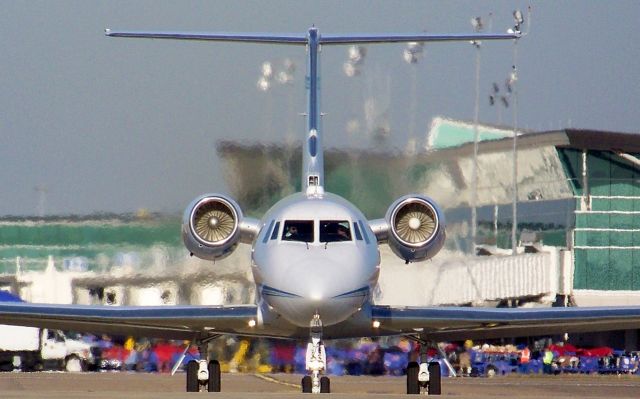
[{"x": 316, "y": 360}]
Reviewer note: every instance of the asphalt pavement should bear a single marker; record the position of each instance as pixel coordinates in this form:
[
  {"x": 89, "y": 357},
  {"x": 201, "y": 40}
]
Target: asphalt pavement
[{"x": 122, "y": 385}]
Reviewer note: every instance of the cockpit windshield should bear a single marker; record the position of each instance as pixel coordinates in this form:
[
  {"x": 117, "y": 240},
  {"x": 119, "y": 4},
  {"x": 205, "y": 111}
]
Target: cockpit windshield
[
  {"x": 298, "y": 230},
  {"x": 334, "y": 230}
]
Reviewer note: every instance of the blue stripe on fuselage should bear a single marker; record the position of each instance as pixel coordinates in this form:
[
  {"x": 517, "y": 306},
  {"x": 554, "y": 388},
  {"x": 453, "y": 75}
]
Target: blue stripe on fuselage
[
  {"x": 355, "y": 293},
  {"x": 270, "y": 291}
]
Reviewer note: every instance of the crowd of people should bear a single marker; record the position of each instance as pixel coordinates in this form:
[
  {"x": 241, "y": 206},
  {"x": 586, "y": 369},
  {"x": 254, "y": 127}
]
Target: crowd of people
[
  {"x": 545, "y": 358},
  {"x": 384, "y": 356}
]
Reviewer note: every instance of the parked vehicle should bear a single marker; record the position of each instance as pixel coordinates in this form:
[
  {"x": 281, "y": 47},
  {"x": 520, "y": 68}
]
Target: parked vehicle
[
  {"x": 30, "y": 348},
  {"x": 487, "y": 364}
]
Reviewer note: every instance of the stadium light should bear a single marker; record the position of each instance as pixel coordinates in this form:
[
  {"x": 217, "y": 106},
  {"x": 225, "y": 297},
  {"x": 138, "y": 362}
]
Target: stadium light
[
  {"x": 517, "y": 15},
  {"x": 355, "y": 59},
  {"x": 263, "y": 84},
  {"x": 413, "y": 52},
  {"x": 477, "y": 24},
  {"x": 269, "y": 74}
]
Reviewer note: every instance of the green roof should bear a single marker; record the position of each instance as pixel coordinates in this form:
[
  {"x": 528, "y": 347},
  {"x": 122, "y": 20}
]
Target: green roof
[{"x": 447, "y": 133}]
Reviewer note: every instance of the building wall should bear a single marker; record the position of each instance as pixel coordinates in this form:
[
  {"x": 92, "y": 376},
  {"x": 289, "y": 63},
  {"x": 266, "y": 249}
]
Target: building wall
[
  {"x": 92, "y": 244},
  {"x": 607, "y": 234}
]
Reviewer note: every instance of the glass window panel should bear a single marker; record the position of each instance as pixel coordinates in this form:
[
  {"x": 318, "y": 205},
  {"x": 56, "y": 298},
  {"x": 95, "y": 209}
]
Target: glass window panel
[
  {"x": 298, "y": 230},
  {"x": 364, "y": 232},
  {"x": 266, "y": 234},
  {"x": 334, "y": 231},
  {"x": 356, "y": 229},
  {"x": 274, "y": 234}
]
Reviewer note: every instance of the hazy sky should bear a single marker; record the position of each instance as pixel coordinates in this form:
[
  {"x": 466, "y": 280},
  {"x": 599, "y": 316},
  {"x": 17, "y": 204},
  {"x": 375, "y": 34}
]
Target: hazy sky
[{"x": 114, "y": 125}]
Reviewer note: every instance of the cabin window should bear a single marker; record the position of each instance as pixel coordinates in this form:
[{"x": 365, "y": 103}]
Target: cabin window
[
  {"x": 364, "y": 232},
  {"x": 334, "y": 230},
  {"x": 274, "y": 234},
  {"x": 298, "y": 230},
  {"x": 266, "y": 234},
  {"x": 356, "y": 230}
]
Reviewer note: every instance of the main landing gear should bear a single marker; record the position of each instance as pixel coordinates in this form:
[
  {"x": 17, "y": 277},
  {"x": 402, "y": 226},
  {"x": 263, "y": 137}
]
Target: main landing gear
[
  {"x": 316, "y": 361},
  {"x": 203, "y": 374},
  {"x": 423, "y": 375}
]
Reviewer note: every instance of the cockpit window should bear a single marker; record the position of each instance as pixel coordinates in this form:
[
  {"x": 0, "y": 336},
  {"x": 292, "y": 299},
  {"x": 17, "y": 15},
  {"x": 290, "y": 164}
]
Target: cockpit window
[
  {"x": 298, "y": 230},
  {"x": 357, "y": 231},
  {"x": 334, "y": 230},
  {"x": 274, "y": 234},
  {"x": 266, "y": 234},
  {"x": 364, "y": 232}
]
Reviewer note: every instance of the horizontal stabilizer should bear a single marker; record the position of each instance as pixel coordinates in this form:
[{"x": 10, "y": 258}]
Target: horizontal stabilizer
[
  {"x": 418, "y": 37},
  {"x": 214, "y": 36},
  {"x": 302, "y": 39}
]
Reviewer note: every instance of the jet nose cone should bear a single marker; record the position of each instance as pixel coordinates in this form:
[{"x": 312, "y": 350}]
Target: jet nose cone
[
  {"x": 332, "y": 288},
  {"x": 324, "y": 280}
]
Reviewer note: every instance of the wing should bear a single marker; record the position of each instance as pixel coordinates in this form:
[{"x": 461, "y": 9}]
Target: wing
[
  {"x": 171, "y": 322},
  {"x": 459, "y": 323}
]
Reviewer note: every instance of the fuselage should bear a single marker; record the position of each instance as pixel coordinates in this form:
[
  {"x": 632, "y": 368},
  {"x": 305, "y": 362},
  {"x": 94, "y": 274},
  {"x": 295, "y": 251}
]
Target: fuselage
[{"x": 315, "y": 254}]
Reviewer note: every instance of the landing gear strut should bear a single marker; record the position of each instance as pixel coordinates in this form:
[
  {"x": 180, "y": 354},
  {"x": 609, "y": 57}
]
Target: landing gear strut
[
  {"x": 424, "y": 375},
  {"x": 201, "y": 373},
  {"x": 316, "y": 361}
]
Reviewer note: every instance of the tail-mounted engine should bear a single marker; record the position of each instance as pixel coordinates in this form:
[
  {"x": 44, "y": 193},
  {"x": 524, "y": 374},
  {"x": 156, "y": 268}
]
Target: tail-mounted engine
[
  {"x": 211, "y": 226},
  {"x": 416, "y": 228}
]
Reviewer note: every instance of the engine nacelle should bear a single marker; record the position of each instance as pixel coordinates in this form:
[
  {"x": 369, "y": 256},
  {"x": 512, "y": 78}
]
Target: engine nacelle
[
  {"x": 211, "y": 226},
  {"x": 416, "y": 228}
]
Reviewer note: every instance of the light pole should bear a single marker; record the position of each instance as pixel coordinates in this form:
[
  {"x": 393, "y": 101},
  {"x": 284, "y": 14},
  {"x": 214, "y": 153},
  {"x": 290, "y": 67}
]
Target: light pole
[
  {"x": 268, "y": 75},
  {"x": 42, "y": 199},
  {"x": 411, "y": 55},
  {"x": 476, "y": 22},
  {"x": 517, "y": 15},
  {"x": 494, "y": 98},
  {"x": 285, "y": 77},
  {"x": 514, "y": 216},
  {"x": 352, "y": 67},
  {"x": 264, "y": 84}
]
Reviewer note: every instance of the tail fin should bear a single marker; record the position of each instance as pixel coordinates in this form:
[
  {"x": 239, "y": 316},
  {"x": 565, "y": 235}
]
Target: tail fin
[{"x": 312, "y": 157}]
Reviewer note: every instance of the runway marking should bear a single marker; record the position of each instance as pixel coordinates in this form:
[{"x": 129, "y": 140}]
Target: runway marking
[{"x": 275, "y": 381}]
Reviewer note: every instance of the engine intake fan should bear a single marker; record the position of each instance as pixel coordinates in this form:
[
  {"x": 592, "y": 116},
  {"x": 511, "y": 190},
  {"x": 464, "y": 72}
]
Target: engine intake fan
[
  {"x": 416, "y": 227},
  {"x": 210, "y": 228},
  {"x": 213, "y": 221},
  {"x": 415, "y": 223}
]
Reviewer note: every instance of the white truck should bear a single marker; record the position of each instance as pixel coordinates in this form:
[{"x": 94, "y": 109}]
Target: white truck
[{"x": 30, "y": 348}]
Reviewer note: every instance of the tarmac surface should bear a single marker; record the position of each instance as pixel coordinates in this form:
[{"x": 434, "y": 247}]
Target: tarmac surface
[{"x": 120, "y": 385}]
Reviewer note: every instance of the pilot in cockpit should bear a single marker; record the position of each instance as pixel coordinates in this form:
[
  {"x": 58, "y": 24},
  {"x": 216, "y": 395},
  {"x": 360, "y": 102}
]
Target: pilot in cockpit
[
  {"x": 292, "y": 233},
  {"x": 342, "y": 233}
]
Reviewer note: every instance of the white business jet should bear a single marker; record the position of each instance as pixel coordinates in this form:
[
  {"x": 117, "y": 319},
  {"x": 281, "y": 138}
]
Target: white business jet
[{"x": 315, "y": 261}]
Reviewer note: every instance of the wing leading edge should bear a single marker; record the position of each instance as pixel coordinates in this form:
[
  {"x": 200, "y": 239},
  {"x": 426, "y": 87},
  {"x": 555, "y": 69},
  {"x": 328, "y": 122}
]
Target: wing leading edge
[
  {"x": 171, "y": 322},
  {"x": 459, "y": 323}
]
